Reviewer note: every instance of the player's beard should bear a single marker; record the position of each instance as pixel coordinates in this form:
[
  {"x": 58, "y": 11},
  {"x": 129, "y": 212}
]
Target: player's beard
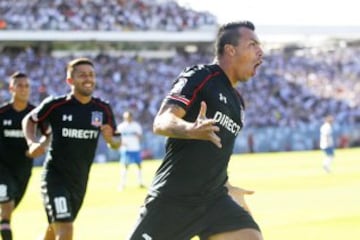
[{"x": 86, "y": 92}]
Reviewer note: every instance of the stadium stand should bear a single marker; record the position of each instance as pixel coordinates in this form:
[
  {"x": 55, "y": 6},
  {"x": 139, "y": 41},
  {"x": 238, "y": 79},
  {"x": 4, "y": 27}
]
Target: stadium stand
[
  {"x": 110, "y": 15},
  {"x": 289, "y": 91},
  {"x": 286, "y": 102},
  {"x": 297, "y": 89}
]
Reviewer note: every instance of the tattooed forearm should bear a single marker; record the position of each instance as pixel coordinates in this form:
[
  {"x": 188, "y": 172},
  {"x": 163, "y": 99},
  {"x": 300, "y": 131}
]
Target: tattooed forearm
[
  {"x": 178, "y": 129},
  {"x": 169, "y": 122}
]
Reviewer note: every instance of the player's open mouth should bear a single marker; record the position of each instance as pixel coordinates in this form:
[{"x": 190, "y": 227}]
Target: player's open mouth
[{"x": 258, "y": 64}]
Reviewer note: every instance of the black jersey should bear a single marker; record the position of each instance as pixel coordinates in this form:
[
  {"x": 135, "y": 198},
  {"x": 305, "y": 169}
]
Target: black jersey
[
  {"x": 75, "y": 131},
  {"x": 196, "y": 170},
  {"x": 12, "y": 141}
]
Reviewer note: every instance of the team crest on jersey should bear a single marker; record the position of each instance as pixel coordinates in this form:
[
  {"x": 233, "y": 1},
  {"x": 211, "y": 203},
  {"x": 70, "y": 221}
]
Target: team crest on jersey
[
  {"x": 96, "y": 118},
  {"x": 178, "y": 86}
]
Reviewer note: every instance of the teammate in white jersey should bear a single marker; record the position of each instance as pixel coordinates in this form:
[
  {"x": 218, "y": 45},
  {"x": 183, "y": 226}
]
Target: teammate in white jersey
[
  {"x": 130, "y": 151},
  {"x": 327, "y": 143}
]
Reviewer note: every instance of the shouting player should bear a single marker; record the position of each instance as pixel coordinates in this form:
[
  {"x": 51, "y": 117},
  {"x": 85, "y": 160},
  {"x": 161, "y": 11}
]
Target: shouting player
[{"x": 202, "y": 116}]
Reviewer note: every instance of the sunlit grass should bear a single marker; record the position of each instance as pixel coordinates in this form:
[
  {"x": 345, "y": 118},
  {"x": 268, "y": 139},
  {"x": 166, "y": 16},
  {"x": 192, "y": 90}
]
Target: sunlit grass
[{"x": 294, "y": 200}]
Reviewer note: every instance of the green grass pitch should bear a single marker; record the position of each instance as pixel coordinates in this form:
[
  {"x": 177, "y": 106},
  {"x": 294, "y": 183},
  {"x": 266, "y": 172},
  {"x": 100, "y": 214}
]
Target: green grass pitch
[{"x": 294, "y": 199}]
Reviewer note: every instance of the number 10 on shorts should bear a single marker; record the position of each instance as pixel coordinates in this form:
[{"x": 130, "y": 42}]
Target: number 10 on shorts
[{"x": 61, "y": 207}]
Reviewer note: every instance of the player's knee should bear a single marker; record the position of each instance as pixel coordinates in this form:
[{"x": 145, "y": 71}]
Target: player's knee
[
  {"x": 63, "y": 230},
  {"x": 6, "y": 210}
]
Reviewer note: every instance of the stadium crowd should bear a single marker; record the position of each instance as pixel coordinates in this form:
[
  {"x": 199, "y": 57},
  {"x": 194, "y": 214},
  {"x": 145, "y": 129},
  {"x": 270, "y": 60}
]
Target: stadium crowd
[
  {"x": 110, "y": 15},
  {"x": 290, "y": 90},
  {"x": 305, "y": 86}
]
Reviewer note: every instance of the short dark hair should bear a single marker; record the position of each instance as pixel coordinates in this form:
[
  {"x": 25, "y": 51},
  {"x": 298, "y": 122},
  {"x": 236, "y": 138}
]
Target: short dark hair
[
  {"x": 76, "y": 62},
  {"x": 229, "y": 34},
  {"x": 16, "y": 75}
]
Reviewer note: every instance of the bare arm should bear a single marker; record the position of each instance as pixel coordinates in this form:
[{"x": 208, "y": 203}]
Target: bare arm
[
  {"x": 29, "y": 129},
  {"x": 238, "y": 195},
  {"x": 112, "y": 141},
  {"x": 169, "y": 122},
  {"x": 37, "y": 146}
]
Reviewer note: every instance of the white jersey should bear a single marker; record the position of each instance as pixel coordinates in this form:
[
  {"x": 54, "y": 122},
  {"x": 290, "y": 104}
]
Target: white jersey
[
  {"x": 130, "y": 135},
  {"x": 326, "y": 136}
]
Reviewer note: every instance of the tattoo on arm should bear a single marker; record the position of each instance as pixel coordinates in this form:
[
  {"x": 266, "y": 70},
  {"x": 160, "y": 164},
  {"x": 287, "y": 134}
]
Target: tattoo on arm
[
  {"x": 178, "y": 131},
  {"x": 172, "y": 122}
]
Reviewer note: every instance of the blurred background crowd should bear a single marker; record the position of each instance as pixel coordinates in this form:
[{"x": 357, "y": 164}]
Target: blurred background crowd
[
  {"x": 99, "y": 15},
  {"x": 286, "y": 102},
  {"x": 289, "y": 90}
]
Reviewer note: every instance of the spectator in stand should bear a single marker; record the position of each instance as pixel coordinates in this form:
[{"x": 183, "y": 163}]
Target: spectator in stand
[
  {"x": 102, "y": 15},
  {"x": 295, "y": 77}
]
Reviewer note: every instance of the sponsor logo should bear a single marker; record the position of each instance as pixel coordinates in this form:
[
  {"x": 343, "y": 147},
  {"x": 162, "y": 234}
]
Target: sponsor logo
[
  {"x": 79, "y": 133},
  {"x": 227, "y": 123},
  {"x": 222, "y": 98},
  {"x": 13, "y": 133},
  {"x": 96, "y": 118},
  {"x": 68, "y": 118}
]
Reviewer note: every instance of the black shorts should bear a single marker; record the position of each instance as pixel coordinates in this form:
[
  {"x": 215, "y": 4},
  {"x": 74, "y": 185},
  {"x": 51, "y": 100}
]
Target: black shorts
[
  {"x": 62, "y": 203},
  {"x": 13, "y": 184},
  {"x": 164, "y": 220}
]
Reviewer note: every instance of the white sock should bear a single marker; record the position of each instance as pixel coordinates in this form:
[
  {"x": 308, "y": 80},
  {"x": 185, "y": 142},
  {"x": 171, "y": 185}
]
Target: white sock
[
  {"x": 123, "y": 177},
  {"x": 327, "y": 161},
  {"x": 140, "y": 179}
]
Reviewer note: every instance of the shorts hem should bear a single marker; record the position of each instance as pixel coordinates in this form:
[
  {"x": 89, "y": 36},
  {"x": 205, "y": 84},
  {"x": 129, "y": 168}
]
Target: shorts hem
[{"x": 228, "y": 229}]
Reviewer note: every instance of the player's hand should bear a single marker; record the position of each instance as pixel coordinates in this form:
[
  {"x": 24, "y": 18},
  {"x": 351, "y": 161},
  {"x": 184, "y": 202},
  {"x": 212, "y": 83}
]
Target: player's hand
[
  {"x": 238, "y": 195},
  {"x": 107, "y": 132},
  {"x": 36, "y": 149},
  {"x": 205, "y": 127}
]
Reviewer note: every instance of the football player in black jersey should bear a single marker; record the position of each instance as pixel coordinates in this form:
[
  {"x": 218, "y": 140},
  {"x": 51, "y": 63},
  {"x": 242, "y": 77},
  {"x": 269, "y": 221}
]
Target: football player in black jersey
[
  {"x": 76, "y": 121},
  {"x": 201, "y": 116},
  {"x": 15, "y": 166}
]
